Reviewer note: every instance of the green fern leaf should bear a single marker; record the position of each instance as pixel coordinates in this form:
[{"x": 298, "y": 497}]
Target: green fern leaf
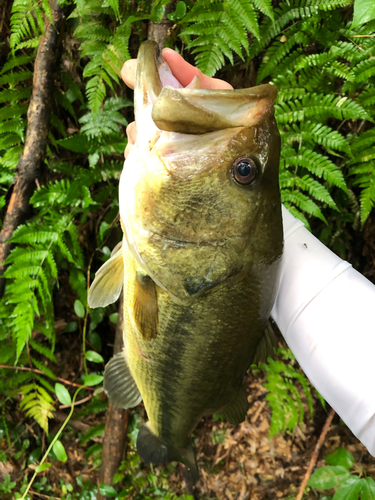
[
  {"x": 14, "y": 95},
  {"x": 93, "y": 30},
  {"x": 45, "y": 351},
  {"x": 41, "y": 366},
  {"x": 17, "y": 62},
  {"x": 33, "y": 43},
  {"x": 38, "y": 404},
  {"x": 242, "y": 12},
  {"x": 312, "y": 133},
  {"x": 27, "y": 20},
  {"x": 15, "y": 77},
  {"x": 302, "y": 202},
  {"x": 29, "y": 234},
  {"x": 44, "y": 383},
  {"x": 13, "y": 111},
  {"x": 95, "y": 92},
  {"x": 314, "y": 162},
  {"x": 265, "y": 6}
]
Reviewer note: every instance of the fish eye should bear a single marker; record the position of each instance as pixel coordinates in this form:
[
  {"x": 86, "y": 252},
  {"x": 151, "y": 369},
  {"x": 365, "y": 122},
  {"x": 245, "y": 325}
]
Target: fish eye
[{"x": 244, "y": 170}]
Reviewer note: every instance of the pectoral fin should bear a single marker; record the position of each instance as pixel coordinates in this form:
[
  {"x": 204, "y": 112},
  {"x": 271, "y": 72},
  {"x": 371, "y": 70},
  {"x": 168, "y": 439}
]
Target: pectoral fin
[
  {"x": 235, "y": 411},
  {"x": 145, "y": 305},
  {"x": 107, "y": 285},
  {"x": 119, "y": 383}
]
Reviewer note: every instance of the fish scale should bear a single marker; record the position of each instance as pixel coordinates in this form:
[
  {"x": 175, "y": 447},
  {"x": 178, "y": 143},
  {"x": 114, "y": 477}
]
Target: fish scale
[{"x": 200, "y": 259}]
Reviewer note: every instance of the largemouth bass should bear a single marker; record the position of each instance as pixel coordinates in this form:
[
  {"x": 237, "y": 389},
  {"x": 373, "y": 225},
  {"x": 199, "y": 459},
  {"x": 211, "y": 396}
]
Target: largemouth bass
[{"x": 199, "y": 263}]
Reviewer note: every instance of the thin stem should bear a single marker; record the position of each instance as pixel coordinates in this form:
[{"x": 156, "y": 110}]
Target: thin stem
[
  {"x": 81, "y": 401},
  {"x": 53, "y": 442}
]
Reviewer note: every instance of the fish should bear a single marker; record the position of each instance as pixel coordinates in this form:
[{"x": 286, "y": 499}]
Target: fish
[{"x": 199, "y": 262}]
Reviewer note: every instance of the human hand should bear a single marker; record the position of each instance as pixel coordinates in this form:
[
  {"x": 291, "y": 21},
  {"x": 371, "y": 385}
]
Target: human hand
[{"x": 182, "y": 71}]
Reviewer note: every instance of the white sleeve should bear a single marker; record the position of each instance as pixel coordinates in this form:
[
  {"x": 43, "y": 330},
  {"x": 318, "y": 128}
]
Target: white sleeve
[{"x": 326, "y": 313}]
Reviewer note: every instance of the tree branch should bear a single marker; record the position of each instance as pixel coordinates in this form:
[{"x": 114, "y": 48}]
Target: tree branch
[
  {"x": 158, "y": 32},
  {"x": 116, "y": 422},
  {"x": 315, "y": 454},
  {"x": 38, "y": 117}
]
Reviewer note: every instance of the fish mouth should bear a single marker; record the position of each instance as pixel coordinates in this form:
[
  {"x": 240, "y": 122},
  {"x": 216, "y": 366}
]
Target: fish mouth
[{"x": 193, "y": 110}]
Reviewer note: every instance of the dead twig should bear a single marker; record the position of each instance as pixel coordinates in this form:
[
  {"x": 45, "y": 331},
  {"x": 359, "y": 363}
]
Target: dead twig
[
  {"x": 38, "y": 118},
  {"x": 315, "y": 454},
  {"x": 35, "y": 370}
]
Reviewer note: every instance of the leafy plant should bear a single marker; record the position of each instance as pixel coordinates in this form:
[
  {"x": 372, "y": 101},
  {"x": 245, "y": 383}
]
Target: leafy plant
[
  {"x": 282, "y": 381},
  {"x": 336, "y": 475}
]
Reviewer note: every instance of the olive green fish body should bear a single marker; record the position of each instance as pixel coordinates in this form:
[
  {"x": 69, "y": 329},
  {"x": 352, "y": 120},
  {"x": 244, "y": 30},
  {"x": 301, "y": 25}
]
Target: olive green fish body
[{"x": 198, "y": 360}]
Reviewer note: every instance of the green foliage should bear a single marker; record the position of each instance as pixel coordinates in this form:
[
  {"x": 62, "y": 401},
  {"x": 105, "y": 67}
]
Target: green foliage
[
  {"x": 27, "y": 21},
  {"x": 285, "y": 384},
  {"x": 37, "y": 403},
  {"x": 214, "y": 29},
  {"x": 105, "y": 42},
  {"x": 337, "y": 475},
  {"x": 48, "y": 246},
  {"x": 317, "y": 64}
]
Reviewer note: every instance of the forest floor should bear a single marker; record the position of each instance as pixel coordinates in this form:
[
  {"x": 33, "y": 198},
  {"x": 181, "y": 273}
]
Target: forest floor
[{"x": 236, "y": 462}]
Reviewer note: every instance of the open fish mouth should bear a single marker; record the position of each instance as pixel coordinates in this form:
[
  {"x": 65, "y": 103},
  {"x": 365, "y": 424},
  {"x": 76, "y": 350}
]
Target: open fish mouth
[{"x": 192, "y": 110}]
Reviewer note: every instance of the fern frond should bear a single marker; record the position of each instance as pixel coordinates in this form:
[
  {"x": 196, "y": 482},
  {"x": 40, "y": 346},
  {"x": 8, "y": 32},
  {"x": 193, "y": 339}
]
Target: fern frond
[
  {"x": 17, "y": 61},
  {"x": 44, "y": 382},
  {"x": 33, "y": 43},
  {"x": 265, "y": 6},
  {"x": 27, "y": 20},
  {"x": 15, "y": 77},
  {"x": 241, "y": 13},
  {"x": 311, "y": 133},
  {"x": 9, "y": 140},
  {"x": 220, "y": 27},
  {"x": 41, "y": 366},
  {"x": 13, "y": 111},
  {"x": 93, "y": 30},
  {"x": 365, "y": 70},
  {"x": 314, "y": 162},
  {"x": 14, "y": 95},
  {"x": 28, "y": 233},
  {"x": 95, "y": 92},
  {"x": 320, "y": 106},
  {"x": 302, "y": 202},
  {"x": 37, "y": 403},
  {"x": 42, "y": 349}
]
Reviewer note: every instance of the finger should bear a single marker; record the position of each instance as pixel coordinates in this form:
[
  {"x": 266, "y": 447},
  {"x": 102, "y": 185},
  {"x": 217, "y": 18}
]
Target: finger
[
  {"x": 185, "y": 72},
  {"x": 128, "y": 149},
  {"x": 131, "y": 132},
  {"x": 128, "y": 72}
]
